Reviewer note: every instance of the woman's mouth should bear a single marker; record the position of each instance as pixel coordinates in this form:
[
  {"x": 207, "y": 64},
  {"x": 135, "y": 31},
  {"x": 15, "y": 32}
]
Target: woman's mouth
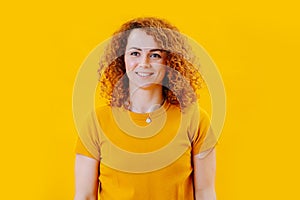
[{"x": 144, "y": 74}]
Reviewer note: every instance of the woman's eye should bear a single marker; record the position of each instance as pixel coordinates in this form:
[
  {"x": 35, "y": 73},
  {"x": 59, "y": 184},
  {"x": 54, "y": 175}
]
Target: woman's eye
[
  {"x": 155, "y": 55},
  {"x": 134, "y": 53}
]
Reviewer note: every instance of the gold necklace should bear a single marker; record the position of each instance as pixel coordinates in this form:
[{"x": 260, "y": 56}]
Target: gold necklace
[
  {"x": 148, "y": 119},
  {"x": 151, "y": 109}
]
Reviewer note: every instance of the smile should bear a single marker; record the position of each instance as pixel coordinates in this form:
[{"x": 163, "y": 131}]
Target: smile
[{"x": 144, "y": 74}]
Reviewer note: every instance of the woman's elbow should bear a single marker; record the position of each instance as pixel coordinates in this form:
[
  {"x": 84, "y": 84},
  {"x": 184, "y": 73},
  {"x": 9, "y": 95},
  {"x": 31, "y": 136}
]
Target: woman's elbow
[
  {"x": 81, "y": 196},
  {"x": 207, "y": 193}
]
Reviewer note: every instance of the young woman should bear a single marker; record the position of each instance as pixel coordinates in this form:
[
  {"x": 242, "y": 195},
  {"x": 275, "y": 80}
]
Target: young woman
[{"x": 152, "y": 140}]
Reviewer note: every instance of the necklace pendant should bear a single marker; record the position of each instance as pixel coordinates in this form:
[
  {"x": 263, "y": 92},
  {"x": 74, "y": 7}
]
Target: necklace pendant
[{"x": 148, "y": 120}]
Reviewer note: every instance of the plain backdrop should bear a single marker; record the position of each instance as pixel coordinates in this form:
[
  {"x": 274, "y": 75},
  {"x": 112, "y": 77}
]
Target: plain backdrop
[{"x": 255, "y": 45}]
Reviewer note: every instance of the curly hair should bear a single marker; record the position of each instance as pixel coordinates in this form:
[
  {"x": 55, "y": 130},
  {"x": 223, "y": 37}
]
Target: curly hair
[{"x": 182, "y": 81}]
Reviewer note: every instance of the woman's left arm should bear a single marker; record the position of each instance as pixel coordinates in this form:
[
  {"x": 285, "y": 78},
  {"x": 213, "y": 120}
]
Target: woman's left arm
[{"x": 204, "y": 176}]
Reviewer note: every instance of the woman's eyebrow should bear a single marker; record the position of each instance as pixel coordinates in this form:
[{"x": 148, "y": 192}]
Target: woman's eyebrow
[
  {"x": 162, "y": 50},
  {"x": 151, "y": 50},
  {"x": 135, "y": 48}
]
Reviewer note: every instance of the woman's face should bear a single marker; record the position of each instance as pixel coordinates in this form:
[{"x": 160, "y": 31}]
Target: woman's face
[{"x": 144, "y": 60}]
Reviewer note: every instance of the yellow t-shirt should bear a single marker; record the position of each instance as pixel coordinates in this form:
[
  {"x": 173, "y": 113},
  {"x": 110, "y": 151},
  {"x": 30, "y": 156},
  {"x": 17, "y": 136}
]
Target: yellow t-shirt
[{"x": 149, "y": 161}]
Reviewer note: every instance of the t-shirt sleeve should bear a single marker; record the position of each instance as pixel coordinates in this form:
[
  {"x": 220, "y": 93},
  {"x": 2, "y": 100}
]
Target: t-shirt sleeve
[
  {"x": 80, "y": 149},
  {"x": 204, "y": 138},
  {"x": 88, "y": 142}
]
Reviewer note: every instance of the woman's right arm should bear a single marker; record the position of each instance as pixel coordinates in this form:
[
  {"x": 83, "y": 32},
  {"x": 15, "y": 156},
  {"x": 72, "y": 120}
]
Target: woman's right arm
[{"x": 86, "y": 178}]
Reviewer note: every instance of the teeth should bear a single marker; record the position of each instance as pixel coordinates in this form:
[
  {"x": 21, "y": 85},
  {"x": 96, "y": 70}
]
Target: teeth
[{"x": 144, "y": 74}]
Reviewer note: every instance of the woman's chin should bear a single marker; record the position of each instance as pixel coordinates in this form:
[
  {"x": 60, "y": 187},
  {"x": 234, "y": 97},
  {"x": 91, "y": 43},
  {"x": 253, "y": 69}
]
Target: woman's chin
[{"x": 148, "y": 85}]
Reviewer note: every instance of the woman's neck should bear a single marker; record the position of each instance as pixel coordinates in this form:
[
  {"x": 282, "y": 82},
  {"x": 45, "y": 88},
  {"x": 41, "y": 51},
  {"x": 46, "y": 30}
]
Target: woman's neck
[{"x": 144, "y": 100}]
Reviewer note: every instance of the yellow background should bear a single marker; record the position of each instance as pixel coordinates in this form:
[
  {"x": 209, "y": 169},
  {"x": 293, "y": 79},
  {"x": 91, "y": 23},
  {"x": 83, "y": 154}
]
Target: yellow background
[{"x": 255, "y": 44}]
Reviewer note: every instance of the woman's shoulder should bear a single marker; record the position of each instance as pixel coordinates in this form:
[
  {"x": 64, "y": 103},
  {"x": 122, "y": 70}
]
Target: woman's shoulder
[
  {"x": 106, "y": 112},
  {"x": 195, "y": 108},
  {"x": 102, "y": 108},
  {"x": 103, "y": 111}
]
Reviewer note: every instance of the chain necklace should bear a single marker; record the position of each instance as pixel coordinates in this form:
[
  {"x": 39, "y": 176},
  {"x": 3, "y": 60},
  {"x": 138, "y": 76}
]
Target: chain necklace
[{"x": 151, "y": 109}]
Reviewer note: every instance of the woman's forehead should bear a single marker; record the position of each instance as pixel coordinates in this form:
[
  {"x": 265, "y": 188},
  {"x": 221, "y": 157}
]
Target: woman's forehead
[{"x": 140, "y": 39}]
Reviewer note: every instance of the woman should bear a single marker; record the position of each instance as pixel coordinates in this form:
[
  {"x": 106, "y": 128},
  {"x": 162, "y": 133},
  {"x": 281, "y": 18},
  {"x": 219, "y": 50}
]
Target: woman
[{"x": 151, "y": 140}]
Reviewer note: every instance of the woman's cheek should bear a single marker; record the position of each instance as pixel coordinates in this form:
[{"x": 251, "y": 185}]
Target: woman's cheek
[
  {"x": 130, "y": 68},
  {"x": 129, "y": 65}
]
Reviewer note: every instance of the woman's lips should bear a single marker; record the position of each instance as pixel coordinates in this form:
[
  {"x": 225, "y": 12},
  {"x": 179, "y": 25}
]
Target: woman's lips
[{"x": 144, "y": 74}]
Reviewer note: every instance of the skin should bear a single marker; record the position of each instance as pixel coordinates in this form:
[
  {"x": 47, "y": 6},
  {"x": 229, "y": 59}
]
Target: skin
[
  {"x": 86, "y": 175},
  {"x": 145, "y": 68},
  {"x": 204, "y": 176}
]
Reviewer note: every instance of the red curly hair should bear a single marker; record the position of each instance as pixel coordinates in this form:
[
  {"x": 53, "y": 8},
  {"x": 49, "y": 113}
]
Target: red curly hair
[{"x": 181, "y": 83}]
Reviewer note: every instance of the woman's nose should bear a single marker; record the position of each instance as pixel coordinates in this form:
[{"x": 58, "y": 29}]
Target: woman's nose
[{"x": 145, "y": 62}]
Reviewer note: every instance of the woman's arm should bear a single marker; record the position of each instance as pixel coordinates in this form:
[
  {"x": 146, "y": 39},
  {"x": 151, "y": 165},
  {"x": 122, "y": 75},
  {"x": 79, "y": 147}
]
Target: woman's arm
[
  {"x": 86, "y": 178},
  {"x": 204, "y": 176}
]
